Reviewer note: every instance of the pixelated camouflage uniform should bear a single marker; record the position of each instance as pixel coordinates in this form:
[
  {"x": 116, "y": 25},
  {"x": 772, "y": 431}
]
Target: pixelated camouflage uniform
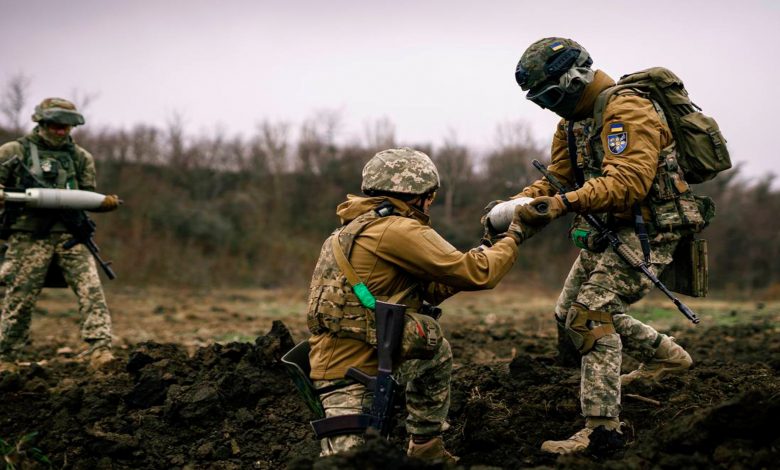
[
  {"x": 36, "y": 241},
  {"x": 398, "y": 254},
  {"x": 427, "y": 385},
  {"x": 614, "y": 181}
]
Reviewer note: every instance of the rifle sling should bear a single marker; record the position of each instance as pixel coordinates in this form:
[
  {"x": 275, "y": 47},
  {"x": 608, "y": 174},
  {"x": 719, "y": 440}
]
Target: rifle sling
[{"x": 352, "y": 276}]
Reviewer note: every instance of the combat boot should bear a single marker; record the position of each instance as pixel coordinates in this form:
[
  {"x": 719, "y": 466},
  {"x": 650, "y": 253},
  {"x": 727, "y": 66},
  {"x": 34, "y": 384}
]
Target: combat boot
[
  {"x": 431, "y": 451},
  {"x": 8, "y": 364},
  {"x": 100, "y": 357},
  {"x": 581, "y": 440},
  {"x": 670, "y": 358},
  {"x": 568, "y": 356}
]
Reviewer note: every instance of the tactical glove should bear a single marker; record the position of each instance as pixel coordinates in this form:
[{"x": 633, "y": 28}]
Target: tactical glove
[
  {"x": 521, "y": 231},
  {"x": 489, "y": 236},
  {"x": 486, "y": 211},
  {"x": 110, "y": 203},
  {"x": 542, "y": 210}
]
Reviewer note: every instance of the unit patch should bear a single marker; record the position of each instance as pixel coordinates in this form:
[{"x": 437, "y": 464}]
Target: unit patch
[{"x": 617, "y": 140}]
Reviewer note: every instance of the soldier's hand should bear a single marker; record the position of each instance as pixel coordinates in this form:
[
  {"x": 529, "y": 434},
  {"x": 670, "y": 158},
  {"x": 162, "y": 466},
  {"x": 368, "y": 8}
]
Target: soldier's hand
[
  {"x": 486, "y": 211},
  {"x": 541, "y": 210},
  {"x": 519, "y": 230},
  {"x": 110, "y": 202}
]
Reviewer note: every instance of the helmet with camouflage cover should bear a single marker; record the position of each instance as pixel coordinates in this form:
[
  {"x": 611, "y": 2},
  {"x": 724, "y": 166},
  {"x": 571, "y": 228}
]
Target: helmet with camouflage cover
[
  {"x": 555, "y": 72},
  {"x": 59, "y": 111},
  {"x": 547, "y": 59},
  {"x": 401, "y": 170}
]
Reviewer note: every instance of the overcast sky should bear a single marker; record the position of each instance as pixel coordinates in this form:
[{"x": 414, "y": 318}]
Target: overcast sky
[{"x": 433, "y": 68}]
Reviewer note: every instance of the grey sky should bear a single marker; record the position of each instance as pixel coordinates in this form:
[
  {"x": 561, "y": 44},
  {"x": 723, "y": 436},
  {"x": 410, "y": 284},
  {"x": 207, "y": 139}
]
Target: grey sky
[{"x": 431, "y": 67}]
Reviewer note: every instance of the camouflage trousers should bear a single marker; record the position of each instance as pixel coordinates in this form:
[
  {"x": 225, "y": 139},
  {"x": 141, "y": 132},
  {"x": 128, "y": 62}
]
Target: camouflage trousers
[
  {"x": 24, "y": 271},
  {"x": 427, "y": 385},
  {"x": 603, "y": 281}
]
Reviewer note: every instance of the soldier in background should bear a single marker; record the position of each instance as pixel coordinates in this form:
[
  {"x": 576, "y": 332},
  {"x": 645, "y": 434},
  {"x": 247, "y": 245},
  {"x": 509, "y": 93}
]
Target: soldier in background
[
  {"x": 48, "y": 157},
  {"x": 388, "y": 241},
  {"x": 617, "y": 171}
]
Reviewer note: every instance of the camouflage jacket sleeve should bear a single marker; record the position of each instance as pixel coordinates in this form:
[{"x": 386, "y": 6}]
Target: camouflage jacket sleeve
[
  {"x": 628, "y": 174},
  {"x": 86, "y": 176},
  {"x": 7, "y": 152},
  {"x": 560, "y": 167},
  {"x": 422, "y": 253}
]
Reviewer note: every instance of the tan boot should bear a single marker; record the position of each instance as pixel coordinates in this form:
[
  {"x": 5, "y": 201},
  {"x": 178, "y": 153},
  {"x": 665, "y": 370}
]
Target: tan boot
[
  {"x": 670, "y": 358},
  {"x": 431, "y": 451},
  {"x": 581, "y": 439},
  {"x": 99, "y": 358},
  {"x": 8, "y": 365}
]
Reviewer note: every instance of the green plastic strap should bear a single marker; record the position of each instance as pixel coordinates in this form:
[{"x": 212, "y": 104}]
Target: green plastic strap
[{"x": 364, "y": 295}]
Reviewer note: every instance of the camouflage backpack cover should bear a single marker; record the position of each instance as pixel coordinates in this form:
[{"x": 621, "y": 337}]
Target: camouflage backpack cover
[{"x": 701, "y": 148}]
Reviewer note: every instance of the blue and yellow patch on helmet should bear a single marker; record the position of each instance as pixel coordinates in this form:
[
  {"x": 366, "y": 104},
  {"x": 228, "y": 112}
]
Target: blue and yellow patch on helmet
[
  {"x": 617, "y": 140},
  {"x": 556, "y": 46}
]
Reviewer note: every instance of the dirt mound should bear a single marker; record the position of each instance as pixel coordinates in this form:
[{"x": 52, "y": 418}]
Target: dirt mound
[{"x": 233, "y": 406}]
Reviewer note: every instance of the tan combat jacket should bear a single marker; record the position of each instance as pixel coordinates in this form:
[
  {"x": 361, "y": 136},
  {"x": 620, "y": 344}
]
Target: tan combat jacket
[
  {"x": 625, "y": 178},
  {"x": 394, "y": 253}
]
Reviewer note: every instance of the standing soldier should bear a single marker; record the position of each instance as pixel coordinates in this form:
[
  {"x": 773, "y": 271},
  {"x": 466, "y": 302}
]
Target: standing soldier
[
  {"x": 388, "y": 242},
  {"x": 615, "y": 164},
  {"x": 48, "y": 157}
]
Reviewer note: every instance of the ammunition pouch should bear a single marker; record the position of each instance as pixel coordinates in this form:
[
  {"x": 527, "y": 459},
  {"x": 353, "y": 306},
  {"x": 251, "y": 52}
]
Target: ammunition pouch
[
  {"x": 585, "y": 237},
  {"x": 672, "y": 203},
  {"x": 422, "y": 336},
  {"x": 585, "y": 327},
  {"x": 688, "y": 274}
]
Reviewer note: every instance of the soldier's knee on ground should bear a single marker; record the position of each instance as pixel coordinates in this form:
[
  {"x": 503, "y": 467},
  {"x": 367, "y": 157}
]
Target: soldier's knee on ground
[{"x": 585, "y": 326}]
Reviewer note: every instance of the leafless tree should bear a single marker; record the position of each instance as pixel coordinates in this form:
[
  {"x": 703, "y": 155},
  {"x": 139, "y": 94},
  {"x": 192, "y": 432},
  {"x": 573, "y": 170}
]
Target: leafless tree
[
  {"x": 454, "y": 163},
  {"x": 15, "y": 98},
  {"x": 380, "y": 133}
]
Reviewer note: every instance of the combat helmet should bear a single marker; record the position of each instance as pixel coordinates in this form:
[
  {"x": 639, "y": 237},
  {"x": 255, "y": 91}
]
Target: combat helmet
[
  {"x": 59, "y": 111},
  {"x": 554, "y": 71},
  {"x": 400, "y": 170}
]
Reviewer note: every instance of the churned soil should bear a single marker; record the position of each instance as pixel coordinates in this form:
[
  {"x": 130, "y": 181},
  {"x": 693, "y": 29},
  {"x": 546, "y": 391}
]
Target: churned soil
[{"x": 232, "y": 406}]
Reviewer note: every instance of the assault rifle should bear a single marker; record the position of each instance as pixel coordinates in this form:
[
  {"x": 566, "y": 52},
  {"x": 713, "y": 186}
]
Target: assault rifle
[
  {"x": 82, "y": 229},
  {"x": 622, "y": 250},
  {"x": 389, "y": 330}
]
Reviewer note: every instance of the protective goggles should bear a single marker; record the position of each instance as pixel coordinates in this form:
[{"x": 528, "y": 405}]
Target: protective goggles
[{"x": 548, "y": 95}]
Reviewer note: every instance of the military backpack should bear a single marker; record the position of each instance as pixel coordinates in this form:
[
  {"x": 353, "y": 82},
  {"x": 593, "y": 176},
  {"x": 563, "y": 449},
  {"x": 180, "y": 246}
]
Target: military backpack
[{"x": 701, "y": 148}]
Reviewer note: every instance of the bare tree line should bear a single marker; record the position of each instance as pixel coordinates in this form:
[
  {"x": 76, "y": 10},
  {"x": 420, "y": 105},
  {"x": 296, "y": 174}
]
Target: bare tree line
[{"x": 215, "y": 210}]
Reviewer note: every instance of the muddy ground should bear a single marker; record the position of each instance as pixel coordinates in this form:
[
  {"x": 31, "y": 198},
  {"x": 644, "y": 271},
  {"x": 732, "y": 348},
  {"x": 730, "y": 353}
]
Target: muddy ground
[{"x": 176, "y": 404}]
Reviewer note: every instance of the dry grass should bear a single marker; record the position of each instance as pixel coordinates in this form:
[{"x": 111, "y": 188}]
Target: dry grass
[{"x": 195, "y": 318}]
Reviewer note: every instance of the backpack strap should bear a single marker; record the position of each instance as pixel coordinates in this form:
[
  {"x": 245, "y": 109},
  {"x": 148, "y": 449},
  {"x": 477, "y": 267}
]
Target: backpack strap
[
  {"x": 601, "y": 105},
  {"x": 571, "y": 141}
]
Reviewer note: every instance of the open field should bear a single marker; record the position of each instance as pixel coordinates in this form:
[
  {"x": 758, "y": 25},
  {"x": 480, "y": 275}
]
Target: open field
[{"x": 197, "y": 384}]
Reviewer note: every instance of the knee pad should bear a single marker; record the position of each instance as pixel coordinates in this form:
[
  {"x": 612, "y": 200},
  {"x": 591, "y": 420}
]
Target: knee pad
[{"x": 585, "y": 327}]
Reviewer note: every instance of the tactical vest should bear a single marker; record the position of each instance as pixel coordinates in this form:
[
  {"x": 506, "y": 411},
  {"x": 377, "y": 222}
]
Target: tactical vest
[
  {"x": 51, "y": 169},
  {"x": 670, "y": 203},
  {"x": 333, "y": 306}
]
